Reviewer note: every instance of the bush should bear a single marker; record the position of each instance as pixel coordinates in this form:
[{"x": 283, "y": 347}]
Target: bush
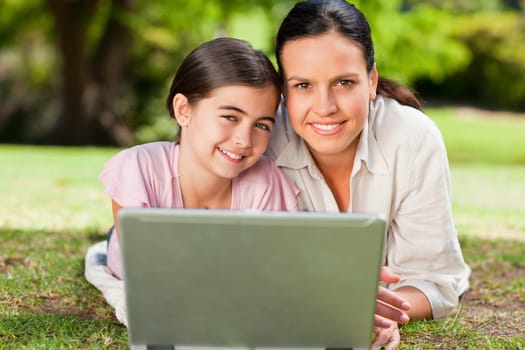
[
  {"x": 415, "y": 42},
  {"x": 495, "y": 76}
]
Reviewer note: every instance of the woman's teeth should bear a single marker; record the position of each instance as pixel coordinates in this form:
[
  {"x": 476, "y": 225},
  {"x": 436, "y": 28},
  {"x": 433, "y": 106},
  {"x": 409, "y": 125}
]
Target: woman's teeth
[{"x": 326, "y": 127}]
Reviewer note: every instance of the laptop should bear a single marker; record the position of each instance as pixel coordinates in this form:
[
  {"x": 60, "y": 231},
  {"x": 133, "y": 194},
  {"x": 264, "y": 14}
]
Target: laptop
[{"x": 197, "y": 278}]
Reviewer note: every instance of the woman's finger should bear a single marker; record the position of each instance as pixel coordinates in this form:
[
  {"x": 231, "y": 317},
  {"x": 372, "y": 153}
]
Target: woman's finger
[
  {"x": 387, "y": 276},
  {"x": 392, "y": 298},
  {"x": 388, "y": 306}
]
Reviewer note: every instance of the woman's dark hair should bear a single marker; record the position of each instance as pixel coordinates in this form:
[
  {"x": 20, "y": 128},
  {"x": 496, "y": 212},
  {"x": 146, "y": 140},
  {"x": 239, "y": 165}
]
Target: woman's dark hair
[
  {"x": 220, "y": 62},
  {"x": 316, "y": 17}
]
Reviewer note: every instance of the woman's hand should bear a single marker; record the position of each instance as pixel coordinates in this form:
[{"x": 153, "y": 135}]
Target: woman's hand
[
  {"x": 390, "y": 306},
  {"x": 387, "y": 337}
]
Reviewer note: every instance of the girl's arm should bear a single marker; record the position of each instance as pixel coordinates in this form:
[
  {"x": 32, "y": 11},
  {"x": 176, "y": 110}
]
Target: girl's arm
[{"x": 116, "y": 207}]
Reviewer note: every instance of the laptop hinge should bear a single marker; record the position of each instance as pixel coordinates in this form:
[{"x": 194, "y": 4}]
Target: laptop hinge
[{"x": 160, "y": 347}]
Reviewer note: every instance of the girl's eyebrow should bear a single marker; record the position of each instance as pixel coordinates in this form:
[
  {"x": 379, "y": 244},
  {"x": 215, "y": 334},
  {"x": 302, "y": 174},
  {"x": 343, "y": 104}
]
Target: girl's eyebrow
[
  {"x": 271, "y": 119},
  {"x": 233, "y": 108}
]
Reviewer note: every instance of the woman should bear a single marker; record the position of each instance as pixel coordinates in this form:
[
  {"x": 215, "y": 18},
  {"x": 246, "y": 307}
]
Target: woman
[{"x": 352, "y": 141}]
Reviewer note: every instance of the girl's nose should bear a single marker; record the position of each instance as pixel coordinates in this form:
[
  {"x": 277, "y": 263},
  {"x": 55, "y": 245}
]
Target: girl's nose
[{"x": 242, "y": 138}]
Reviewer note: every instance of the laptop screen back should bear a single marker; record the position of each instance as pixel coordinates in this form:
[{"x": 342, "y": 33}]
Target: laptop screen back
[{"x": 252, "y": 279}]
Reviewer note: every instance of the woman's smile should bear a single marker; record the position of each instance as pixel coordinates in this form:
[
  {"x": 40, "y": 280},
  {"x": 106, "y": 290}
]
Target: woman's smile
[{"x": 327, "y": 128}]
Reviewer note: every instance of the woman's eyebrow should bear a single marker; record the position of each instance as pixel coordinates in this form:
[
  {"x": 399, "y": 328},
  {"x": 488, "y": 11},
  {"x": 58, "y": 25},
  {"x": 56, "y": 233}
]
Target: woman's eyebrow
[
  {"x": 346, "y": 76},
  {"x": 296, "y": 78},
  {"x": 341, "y": 76}
]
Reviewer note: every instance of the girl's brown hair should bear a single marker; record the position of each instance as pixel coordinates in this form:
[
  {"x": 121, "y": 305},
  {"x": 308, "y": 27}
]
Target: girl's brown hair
[{"x": 217, "y": 63}]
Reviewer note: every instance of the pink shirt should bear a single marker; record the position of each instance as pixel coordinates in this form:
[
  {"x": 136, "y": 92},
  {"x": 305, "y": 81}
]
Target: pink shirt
[{"x": 147, "y": 176}]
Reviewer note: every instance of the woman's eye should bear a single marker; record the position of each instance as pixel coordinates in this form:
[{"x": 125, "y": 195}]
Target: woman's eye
[
  {"x": 263, "y": 126},
  {"x": 229, "y": 117},
  {"x": 302, "y": 85},
  {"x": 345, "y": 82}
]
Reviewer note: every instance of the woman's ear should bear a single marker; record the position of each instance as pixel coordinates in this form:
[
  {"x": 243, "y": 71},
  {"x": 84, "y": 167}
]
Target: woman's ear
[
  {"x": 374, "y": 80},
  {"x": 181, "y": 109}
]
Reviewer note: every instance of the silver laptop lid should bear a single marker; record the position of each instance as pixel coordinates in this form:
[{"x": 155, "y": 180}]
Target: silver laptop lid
[{"x": 250, "y": 279}]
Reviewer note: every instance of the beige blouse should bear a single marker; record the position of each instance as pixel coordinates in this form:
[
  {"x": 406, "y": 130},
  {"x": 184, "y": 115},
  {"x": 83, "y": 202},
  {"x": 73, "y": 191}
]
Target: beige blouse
[{"x": 400, "y": 170}]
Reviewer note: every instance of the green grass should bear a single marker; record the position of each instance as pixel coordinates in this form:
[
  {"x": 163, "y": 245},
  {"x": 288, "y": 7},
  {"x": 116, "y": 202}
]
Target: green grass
[
  {"x": 481, "y": 136},
  {"x": 53, "y": 208},
  {"x": 53, "y": 188},
  {"x": 45, "y": 300},
  {"x": 491, "y": 313}
]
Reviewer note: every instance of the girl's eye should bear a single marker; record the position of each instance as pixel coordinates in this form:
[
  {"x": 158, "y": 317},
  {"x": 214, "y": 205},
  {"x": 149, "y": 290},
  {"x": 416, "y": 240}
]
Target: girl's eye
[
  {"x": 263, "y": 126},
  {"x": 229, "y": 117}
]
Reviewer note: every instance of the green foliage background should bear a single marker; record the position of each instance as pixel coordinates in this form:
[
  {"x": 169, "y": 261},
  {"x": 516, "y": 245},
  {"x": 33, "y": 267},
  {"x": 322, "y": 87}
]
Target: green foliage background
[{"x": 457, "y": 51}]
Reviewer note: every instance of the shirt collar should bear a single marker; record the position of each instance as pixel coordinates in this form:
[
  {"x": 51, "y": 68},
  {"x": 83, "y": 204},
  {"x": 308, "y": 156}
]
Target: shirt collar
[
  {"x": 368, "y": 150},
  {"x": 297, "y": 156}
]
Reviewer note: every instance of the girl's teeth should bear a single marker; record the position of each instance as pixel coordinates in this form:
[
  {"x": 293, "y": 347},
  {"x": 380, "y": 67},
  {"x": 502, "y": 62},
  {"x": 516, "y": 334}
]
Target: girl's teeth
[
  {"x": 326, "y": 127},
  {"x": 230, "y": 154}
]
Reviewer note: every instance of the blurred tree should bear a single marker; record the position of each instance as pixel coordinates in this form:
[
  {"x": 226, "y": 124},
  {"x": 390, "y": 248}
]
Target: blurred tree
[
  {"x": 26, "y": 63},
  {"x": 415, "y": 42},
  {"x": 91, "y": 82},
  {"x": 464, "y": 6},
  {"x": 113, "y": 54},
  {"x": 116, "y": 58},
  {"x": 496, "y": 76},
  {"x": 461, "y": 6},
  {"x": 515, "y": 4},
  {"x": 165, "y": 36}
]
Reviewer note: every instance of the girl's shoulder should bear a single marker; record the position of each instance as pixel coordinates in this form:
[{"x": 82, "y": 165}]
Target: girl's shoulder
[
  {"x": 152, "y": 149},
  {"x": 265, "y": 186},
  {"x": 142, "y": 175},
  {"x": 148, "y": 152},
  {"x": 156, "y": 158},
  {"x": 263, "y": 170}
]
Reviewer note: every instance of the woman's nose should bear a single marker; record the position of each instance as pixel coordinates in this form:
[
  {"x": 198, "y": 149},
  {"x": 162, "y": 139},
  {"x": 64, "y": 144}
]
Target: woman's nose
[{"x": 324, "y": 103}]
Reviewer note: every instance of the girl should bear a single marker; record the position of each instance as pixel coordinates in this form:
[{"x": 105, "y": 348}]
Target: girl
[
  {"x": 223, "y": 97},
  {"x": 352, "y": 141}
]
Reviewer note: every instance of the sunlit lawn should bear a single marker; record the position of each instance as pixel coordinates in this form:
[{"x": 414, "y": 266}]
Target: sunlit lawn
[
  {"x": 487, "y": 154},
  {"x": 485, "y": 137}
]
